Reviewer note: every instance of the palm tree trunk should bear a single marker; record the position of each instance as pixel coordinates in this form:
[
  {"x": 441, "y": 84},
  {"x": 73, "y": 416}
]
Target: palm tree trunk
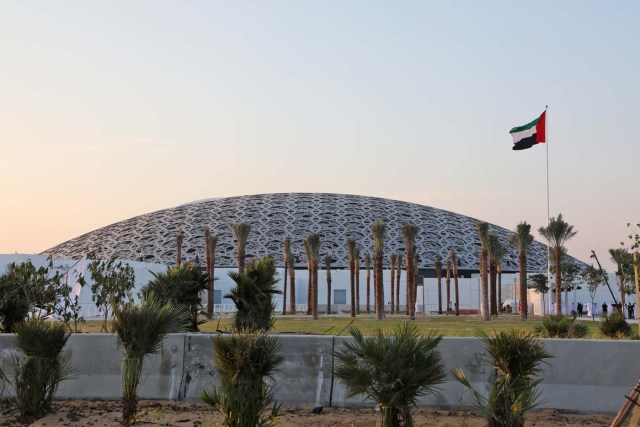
[
  {"x": 380, "y": 290},
  {"x": 398, "y": 273},
  {"x": 410, "y": 284},
  {"x": 207, "y": 258},
  {"x": 368, "y": 286},
  {"x": 485, "y": 285},
  {"x": 353, "y": 287},
  {"x": 284, "y": 291},
  {"x": 357, "y": 284},
  {"x": 292, "y": 286},
  {"x": 328, "y": 291},
  {"x": 455, "y": 285},
  {"x": 439, "y": 275},
  {"x": 447, "y": 282},
  {"x": 309, "y": 288},
  {"x": 492, "y": 283},
  {"x": 392, "y": 281},
  {"x": 558, "y": 284},
  {"x": 522, "y": 260},
  {"x": 314, "y": 298},
  {"x": 499, "y": 289}
]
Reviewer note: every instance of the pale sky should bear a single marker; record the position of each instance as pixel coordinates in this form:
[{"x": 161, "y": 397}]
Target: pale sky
[{"x": 110, "y": 110}]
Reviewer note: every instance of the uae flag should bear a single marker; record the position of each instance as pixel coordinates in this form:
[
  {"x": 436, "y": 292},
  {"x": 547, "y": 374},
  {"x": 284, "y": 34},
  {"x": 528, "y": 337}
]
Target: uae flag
[{"x": 530, "y": 134}]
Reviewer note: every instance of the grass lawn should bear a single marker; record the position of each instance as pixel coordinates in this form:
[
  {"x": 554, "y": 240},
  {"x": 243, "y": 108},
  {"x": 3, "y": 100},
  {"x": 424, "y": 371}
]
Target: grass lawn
[{"x": 449, "y": 326}]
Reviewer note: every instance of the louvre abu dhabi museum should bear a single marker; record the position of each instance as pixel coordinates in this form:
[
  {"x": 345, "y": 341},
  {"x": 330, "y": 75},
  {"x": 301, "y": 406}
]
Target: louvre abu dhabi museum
[{"x": 148, "y": 241}]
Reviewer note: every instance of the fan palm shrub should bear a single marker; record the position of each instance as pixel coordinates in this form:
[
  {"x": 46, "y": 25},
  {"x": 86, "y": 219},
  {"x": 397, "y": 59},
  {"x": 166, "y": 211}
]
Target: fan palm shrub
[
  {"x": 394, "y": 368},
  {"x": 245, "y": 362},
  {"x": 517, "y": 356},
  {"x": 141, "y": 330},
  {"x": 40, "y": 367},
  {"x": 253, "y": 295},
  {"x": 181, "y": 285},
  {"x": 561, "y": 327}
]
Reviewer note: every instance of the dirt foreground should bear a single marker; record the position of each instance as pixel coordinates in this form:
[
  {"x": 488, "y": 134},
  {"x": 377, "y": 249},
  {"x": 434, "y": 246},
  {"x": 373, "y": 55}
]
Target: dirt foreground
[{"x": 82, "y": 413}]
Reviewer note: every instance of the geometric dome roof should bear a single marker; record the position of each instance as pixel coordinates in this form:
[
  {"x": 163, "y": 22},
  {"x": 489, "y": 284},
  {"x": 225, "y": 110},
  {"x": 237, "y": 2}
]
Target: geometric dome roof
[{"x": 274, "y": 217}]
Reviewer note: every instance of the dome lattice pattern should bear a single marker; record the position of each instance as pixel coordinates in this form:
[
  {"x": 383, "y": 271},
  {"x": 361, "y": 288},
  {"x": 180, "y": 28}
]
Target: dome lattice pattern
[{"x": 151, "y": 237}]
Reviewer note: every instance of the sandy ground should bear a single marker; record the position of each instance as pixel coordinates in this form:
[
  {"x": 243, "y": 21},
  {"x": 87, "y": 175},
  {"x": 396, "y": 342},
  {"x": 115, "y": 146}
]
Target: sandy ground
[{"x": 106, "y": 413}]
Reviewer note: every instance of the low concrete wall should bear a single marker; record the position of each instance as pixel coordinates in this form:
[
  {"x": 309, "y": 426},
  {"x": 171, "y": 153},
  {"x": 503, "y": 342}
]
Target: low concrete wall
[{"x": 584, "y": 375}]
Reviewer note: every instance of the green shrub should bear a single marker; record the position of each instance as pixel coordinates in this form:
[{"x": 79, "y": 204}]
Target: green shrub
[
  {"x": 561, "y": 327},
  {"x": 253, "y": 296},
  {"x": 181, "y": 285},
  {"x": 615, "y": 326},
  {"x": 516, "y": 356},
  {"x": 244, "y": 362},
  {"x": 141, "y": 330},
  {"x": 40, "y": 367},
  {"x": 393, "y": 368},
  {"x": 25, "y": 289}
]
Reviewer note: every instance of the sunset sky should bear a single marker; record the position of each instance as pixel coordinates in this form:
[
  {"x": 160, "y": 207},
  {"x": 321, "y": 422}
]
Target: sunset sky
[{"x": 109, "y": 110}]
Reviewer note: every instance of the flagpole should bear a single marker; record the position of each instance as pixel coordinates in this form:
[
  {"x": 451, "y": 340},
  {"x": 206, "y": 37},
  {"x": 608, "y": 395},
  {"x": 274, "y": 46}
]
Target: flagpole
[{"x": 546, "y": 126}]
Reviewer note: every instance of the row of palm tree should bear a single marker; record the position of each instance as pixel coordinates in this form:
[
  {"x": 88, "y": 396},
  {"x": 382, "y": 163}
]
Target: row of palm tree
[{"x": 557, "y": 233}]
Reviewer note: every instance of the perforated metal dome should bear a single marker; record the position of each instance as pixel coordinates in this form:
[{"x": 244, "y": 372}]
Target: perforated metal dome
[{"x": 151, "y": 237}]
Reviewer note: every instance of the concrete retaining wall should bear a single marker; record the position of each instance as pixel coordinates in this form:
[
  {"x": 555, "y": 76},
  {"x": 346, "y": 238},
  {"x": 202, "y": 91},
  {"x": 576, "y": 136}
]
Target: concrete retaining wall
[{"x": 584, "y": 375}]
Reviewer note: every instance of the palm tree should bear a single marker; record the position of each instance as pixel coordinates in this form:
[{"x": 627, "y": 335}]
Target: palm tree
[
  {"x": 241, "y": 231},
  {"x": 618, "y": 256},
  {"x": 448, "y": 284},
  {"x": 378, "y": 230},
  {"x": 314, "y": 250},
  {"x": 416, "y": 263},
  {"x": 557, "y": 233},
  {"x": 285, "y": 255},
  {"x": 522, "y": 239},
  {"x": 516, "y": 356},
  {"x": 437, "y": 264},
  {"x": 246, "y": 364},
  {"x": 291, "y": 261},
  {"x": 398, "y": 273},
  {"x": 141, "y": 330},
  {"x": 210, "y": 243},
  {"x": 307, "y": 251},
  {"x": 410, "y": 232},
  {"x": 454, "y": 262},
  {"x": 253, "y": 296},
  {"x": 327, "y": 264},
  {"x": 356, "y": 272},
  {"x": 495, "y": 252},
  {"x": 394, "y": 257},
  {"x": 351, "y": 248},
  {"x": 367, "y": 262},
  {"x": 213, "y": 243},
  {"x": 394, "y": 368},
  {"x": 483, "y": 232},
  {"x": 179, "y": 240}
]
